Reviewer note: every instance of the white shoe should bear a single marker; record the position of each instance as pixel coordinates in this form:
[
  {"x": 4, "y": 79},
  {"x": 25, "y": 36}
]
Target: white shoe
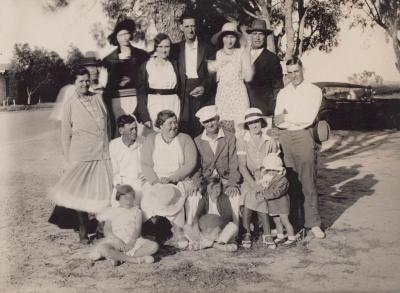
[{"x": 318, "y": 233}]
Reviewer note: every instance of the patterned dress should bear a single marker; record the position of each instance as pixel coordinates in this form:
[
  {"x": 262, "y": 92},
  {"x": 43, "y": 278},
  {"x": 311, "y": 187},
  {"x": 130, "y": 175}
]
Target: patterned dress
[{"x": 231, "y": 98}]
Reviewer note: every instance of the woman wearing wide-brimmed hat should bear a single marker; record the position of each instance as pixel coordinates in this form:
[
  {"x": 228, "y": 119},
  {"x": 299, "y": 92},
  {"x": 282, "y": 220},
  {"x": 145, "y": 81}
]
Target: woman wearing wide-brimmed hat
[
  {"x": 252, "y": 147},
  {"x": 233, "y": 67},
  {"x": 122, "y": 66}
]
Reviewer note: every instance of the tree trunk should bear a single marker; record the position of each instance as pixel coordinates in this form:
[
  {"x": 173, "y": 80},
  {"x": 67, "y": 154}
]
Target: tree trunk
[
  {"x": 396, "y": 42},
  {"x": 290, "y": 45}
]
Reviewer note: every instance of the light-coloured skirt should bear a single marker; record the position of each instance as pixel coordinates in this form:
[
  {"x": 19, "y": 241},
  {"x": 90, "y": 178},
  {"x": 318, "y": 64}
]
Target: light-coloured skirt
[
  {"x": 85, "y": 186},
  {"x": 157, "y": 103}
]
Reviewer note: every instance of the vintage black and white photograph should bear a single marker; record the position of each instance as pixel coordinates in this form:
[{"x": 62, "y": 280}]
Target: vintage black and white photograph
[{"x": 181, "y": 146}]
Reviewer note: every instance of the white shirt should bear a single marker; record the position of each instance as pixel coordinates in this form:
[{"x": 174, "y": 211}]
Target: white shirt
[
  {"x": 212, "y": 207},
  {"x": 254, "y": 53},
  {"x": 123, "y": 221},
  {"x": 191, "y": 59},
  {"x": 213, "y": 142},
  {"x": 302, "y": 104},
  {"x": 126, "y": 161}
]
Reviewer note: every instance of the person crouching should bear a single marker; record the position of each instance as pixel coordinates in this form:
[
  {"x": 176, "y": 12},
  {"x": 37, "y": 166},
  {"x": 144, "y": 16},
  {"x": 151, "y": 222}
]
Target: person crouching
[
  {"x": 122, "y": 231},
  {"x": 213, "y": 224}
]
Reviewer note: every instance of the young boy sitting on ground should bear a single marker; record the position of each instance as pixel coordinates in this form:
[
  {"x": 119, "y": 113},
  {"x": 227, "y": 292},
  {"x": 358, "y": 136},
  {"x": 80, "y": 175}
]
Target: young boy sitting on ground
[
  {"x": 213, "y": 222},
  {"x": 122, "y": 230}
]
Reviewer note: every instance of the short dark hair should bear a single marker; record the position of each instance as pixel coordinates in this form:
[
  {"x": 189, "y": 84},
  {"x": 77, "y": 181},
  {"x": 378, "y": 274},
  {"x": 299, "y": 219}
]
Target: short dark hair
[
  {"x": 79, "y": 71},
  {"x": 163, "y": 116},
  {"x": 158, "y": 39},
  {"x": 125, "y": 24},
  {"x": 263, "y": 123},
  {"x": 122, "y": 190},
  {"x": 187, "y": 15},
  {"x": 220, "y": 43},
  {"x": 125, "y": 119},
  {"x": 293, "y": 61}
]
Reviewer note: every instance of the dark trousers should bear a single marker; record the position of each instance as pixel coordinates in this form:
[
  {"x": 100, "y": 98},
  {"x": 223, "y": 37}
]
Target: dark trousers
[
  {"x": 189, "y": 123},
  {"x": 299, "y": 151}
]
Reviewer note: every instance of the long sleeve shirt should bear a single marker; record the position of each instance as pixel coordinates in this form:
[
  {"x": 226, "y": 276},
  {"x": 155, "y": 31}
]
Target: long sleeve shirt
[{"x": 301, "y": 103}]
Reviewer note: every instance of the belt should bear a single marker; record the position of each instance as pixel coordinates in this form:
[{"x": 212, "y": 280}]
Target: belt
[
  {"x": 161, "y": 91},
  {"x": 125, "y": 93}
]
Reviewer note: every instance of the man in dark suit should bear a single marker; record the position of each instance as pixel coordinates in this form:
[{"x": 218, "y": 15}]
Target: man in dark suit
[
  {"x": 192, "y": 55},
  {"x": 267, "y": 78}
]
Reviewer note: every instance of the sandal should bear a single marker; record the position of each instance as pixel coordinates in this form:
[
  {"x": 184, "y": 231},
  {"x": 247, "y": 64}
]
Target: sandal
[
  {"x": 246, "y": 242},
  {"x": 269, "y": 241}
]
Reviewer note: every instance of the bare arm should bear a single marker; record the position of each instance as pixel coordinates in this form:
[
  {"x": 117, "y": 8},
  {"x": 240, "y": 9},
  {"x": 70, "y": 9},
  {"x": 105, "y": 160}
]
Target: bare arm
[
  {"x": 66, "y": 129},
  {"x": 247, "y": 67}
]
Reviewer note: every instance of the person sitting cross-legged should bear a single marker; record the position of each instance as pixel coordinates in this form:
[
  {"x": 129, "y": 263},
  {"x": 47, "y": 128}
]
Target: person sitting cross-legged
[
  {"x": 122, "y": 231},
  {"x": 213, "y": 223}
]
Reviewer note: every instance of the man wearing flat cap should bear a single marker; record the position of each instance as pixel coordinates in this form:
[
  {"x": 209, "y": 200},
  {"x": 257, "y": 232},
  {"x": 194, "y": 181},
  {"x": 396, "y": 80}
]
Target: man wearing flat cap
[
  {"x": 267, "y": 78},
  {"x": 217, "y": 149}
]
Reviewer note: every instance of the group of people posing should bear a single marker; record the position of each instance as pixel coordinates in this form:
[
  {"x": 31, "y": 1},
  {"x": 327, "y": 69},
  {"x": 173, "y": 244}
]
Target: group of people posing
[{"x": 151, "y": 157}]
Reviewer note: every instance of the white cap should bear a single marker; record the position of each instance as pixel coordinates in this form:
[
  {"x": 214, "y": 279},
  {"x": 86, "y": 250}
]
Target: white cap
[{"x": 207, "y": 112}]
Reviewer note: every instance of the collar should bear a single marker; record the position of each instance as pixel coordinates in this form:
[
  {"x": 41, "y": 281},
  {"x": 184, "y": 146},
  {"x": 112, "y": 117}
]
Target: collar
[
  {"x": 264, "y": 135},
  {"x": 204, "y": 136},
  {"x": 135, "y": 145},
  {"x": 193, "y": 45}
]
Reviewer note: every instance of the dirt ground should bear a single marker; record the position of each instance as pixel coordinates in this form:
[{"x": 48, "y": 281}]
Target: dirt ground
[{"x": 359, "y": 187}]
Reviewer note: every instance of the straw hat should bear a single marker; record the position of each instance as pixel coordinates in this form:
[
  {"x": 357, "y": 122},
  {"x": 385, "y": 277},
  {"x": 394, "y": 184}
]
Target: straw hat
[
  {"x": 259, "y": 25},
  {"x": 165, "y": 199},
  {"x": 273, "y": 162},
  {"x": 227, "y": 28},
  {"x": 253, "y": 114}
]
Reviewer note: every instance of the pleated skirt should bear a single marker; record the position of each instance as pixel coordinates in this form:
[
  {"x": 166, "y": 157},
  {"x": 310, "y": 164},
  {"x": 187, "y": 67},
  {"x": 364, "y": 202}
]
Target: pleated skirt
[{"x": 85, "y": 186}]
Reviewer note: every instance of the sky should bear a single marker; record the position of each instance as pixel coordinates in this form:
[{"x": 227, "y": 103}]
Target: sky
[{"x": 25, "y": 21}]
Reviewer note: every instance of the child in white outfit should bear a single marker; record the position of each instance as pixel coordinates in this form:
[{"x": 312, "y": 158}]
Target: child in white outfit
[
  {"x": 122, "y": 231},
  {"x": 273, "y": 178}
]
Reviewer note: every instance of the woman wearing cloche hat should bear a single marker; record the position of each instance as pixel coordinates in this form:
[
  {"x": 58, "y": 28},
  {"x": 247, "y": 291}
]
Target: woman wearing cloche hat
[
  {"x": 233, "y": 67},
  {"x": 252, "y": 147}
]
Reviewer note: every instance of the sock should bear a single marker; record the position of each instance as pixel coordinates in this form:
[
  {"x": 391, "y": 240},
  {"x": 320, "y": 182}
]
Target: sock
[
  {"x": 292, "y": 237},
  {"x": 280, "y": 236}
]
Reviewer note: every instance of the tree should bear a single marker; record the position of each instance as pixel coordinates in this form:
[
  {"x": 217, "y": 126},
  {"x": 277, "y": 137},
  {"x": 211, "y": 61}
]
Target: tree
[
  {"x": 37, "y": 69},
  {"x": 305, "y": 24},
  {"x": 74, "y": 58},
  {"x": 384, "y": 13},
  {"x": 367, "y": 78}
]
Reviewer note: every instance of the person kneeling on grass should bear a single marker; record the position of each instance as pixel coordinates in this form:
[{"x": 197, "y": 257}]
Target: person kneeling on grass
[
  {"x": 122, "y": 230},
  {"x": 272, "y": 178},
  {"x": 213, "y": 224}
]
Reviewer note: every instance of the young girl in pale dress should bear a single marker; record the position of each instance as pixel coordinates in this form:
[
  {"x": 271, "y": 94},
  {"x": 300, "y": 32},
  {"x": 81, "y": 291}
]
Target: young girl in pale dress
[{"x": 233, "y": 67}]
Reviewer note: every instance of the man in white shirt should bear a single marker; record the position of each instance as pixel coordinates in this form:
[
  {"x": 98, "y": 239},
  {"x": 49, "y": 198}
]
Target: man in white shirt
[
  {"x": 296, "y": 108},
  {"x": 125, "y": 156}
]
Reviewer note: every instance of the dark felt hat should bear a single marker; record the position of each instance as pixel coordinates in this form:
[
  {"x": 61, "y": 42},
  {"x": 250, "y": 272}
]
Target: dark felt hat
[
  {"x": 126, "y": 24},
  {"x": 90, "y": 59},
  {"x": 259, "y": 25}
]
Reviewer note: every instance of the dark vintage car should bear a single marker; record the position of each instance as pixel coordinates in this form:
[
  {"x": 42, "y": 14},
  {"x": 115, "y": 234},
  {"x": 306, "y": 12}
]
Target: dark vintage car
[{"x": 352, "y": 106}]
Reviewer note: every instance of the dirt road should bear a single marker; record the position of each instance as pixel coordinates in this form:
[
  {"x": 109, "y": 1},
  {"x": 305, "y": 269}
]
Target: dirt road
[{"x": 360, "y": 203}]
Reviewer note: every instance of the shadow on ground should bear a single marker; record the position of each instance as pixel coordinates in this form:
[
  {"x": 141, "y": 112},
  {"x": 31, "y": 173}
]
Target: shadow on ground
[{"x": 341, "y": 187}]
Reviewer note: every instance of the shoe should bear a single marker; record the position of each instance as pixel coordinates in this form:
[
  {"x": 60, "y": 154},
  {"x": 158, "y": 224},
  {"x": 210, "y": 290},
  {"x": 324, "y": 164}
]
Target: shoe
[
  {"x": 318, "y": 233},
  {"x": 269, "y": 241},
  {"x": 246, "y": 242},
  {"x": 290, "y": 242},
  {"x": 279, "y": 240}
]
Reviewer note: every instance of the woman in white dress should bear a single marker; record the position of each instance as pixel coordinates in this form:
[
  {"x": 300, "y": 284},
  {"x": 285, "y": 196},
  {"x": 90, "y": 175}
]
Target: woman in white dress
[
  {"x": 233, "y": 67},
  {"x": 158, "y": 80}
]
